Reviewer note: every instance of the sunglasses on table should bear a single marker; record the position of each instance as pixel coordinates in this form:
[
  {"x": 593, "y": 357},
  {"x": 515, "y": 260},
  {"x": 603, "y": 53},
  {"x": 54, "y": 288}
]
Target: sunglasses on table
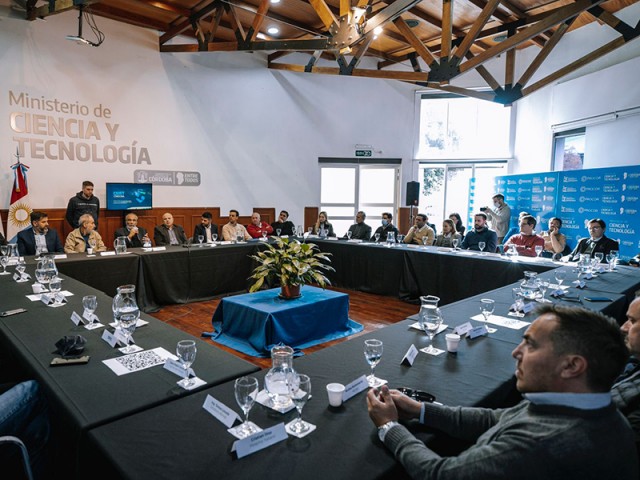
[{"x": 417, "y": 395}]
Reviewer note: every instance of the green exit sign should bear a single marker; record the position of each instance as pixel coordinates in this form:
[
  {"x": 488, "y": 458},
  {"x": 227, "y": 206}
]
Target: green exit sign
[{"x": 363, "y": 153}]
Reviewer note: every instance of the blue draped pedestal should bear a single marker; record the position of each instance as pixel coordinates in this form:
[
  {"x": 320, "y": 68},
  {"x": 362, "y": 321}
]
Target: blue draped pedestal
[{"x": 252, "y": 323}]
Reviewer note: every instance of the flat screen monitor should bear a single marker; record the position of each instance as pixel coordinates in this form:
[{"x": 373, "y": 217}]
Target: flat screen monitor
[{"x": 129, "y": 196}]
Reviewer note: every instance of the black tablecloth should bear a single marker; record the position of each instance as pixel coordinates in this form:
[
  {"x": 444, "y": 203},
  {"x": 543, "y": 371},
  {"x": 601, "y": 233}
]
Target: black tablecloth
[{"x": 84, "y": 396}]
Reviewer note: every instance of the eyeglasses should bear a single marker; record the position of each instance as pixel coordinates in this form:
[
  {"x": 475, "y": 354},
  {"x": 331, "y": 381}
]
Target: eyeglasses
[{"x": 418, "y": 395}]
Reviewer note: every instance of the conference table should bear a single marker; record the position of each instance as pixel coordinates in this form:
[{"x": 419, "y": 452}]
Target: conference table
[
  {"x": 81, "y": 397},
  {"x": 182, "y": 440}
]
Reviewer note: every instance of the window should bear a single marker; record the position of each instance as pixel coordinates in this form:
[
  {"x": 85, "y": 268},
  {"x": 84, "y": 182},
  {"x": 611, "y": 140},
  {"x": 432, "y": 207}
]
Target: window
[
  {"x": 568, "y": 149},
  {"x": 348, "y": 188},
  {"x": 453, "y": 127}
]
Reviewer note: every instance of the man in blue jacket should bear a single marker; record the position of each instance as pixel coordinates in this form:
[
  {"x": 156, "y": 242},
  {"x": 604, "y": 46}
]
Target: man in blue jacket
[
  {"x": 39, "y": 236},
  {"x": 480, "y": 233}
]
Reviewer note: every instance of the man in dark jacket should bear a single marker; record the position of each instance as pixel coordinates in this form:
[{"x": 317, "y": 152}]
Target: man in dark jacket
[
  {"x": 84, "y": 202},
  {"x": 597, "y": 242},
  {"x": 39, "y": 236}
]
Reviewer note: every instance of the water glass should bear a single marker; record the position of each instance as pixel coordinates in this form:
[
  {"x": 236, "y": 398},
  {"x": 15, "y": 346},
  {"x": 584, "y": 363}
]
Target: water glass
[
  {"x": 481, "y": 246},
  {"x": 246, "y": 391},
  {"x": 214, "y": 237},
  {"x": 90, "y": 304},
  {"x": 487, "y": 306},
  {"x": 200, "y": 239},
  {"x": 186, "y": 351},
  {"x": 377, "y": 237},
  {"x": 373, "y": 354},
  {"x": 4, "y": 261},
  {"x": 278, "y": 231},
  {"x": 349, "y": 233},
  {"x": 539, "y": 249},
  {"x": 300, "y": 391},
  {"x": 454, "y": 242},
  {"x": 560, "y": 275}
]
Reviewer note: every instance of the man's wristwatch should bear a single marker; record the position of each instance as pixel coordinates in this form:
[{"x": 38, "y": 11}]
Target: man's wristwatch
[{"x": 383, "y": 429}]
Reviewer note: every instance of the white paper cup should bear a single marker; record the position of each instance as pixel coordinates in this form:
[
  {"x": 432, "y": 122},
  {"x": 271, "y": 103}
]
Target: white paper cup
[
  {"x": 453, "y": 339},
  {"x": 89, "y": 251},
  {"x": 335, "y": 392}
]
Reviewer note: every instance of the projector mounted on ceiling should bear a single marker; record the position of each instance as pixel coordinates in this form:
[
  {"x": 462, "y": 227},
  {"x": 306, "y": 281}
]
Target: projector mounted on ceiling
[{"x": 90, "y": 20}]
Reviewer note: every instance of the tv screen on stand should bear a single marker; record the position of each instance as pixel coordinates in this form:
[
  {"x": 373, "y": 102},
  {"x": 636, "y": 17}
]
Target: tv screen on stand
[{"x": 129, "y": 196}]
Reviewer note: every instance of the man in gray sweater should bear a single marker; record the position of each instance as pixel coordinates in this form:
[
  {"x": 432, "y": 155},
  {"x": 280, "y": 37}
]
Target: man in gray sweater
[{"x": 566, "y": 428}]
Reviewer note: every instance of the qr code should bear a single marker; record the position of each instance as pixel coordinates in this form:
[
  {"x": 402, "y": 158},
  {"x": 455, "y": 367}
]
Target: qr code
[{"x": 140, "y": 360}]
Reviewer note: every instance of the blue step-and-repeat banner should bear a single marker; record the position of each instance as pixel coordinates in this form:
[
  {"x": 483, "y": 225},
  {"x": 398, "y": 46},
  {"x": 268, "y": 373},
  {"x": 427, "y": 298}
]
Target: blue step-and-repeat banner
[{"x": 576, "y": 196}]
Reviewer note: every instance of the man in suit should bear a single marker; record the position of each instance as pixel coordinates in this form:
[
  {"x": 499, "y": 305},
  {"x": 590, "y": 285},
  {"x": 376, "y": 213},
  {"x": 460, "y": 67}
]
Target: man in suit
[
  {"x": 168, "y": 233},
  {"x": 39, "y": 236},
  {"x": 597, "y": 242},
  {"x": 206, "y": 228},
  {"x": 360, "y": 230},
  {"x": 136, "y": 236}
]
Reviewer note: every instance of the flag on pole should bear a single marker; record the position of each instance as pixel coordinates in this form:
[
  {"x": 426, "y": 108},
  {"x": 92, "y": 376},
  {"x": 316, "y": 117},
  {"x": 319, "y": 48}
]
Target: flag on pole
[{"x": 19, "y": 207}]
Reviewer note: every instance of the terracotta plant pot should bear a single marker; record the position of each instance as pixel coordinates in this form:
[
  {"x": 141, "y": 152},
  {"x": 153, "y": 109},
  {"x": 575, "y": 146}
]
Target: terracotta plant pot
[{"x": 290, "y": 291}]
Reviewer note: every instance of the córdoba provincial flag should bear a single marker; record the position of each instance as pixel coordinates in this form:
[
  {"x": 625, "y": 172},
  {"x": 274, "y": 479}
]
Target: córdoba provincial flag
[{"x": 19, "y": 208}]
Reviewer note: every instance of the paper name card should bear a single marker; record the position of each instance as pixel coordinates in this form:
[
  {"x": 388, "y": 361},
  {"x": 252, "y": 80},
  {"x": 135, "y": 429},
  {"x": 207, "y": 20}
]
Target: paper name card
[
  {"x": 354, "y": 240},
  {"x": 21, "y": 277},
  {"x": 526, "y": 308},
  {"x": 89, "y": 316},
  {"x": 360, "y": 384},
  {"x": 478, "y": 331},
  {"x": 174, "y": 366},
  {"x": 259, "y": 441},
  {"x": 107, "y": 254},
  {"x": 75, "y": 318},
  {"x": 503, "y": 321},
  {"x": 108, "y": 337},
  {"x": 410, "y": 356},
  {"x": 579, "y": 283},
  {"x": 46, "y": 298},
  {"x": 464, "y": 328},
  {"x": 220, "y": 411},
  {"x": 60, "y": 256},
  {"x": 158, "y": 249}
]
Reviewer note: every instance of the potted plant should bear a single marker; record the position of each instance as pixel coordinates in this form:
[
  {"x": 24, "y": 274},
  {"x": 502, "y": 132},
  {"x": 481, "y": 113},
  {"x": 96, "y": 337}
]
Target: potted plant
[{"x": 293, "y": 263}]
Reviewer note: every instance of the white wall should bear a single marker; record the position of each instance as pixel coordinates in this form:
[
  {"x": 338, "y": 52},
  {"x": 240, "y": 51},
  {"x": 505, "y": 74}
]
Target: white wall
[{"x": 254, "y": 134}]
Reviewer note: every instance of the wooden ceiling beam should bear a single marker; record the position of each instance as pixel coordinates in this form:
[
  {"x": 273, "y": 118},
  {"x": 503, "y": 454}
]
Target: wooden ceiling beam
[
  {"x": 258, "y": 20},
  {"x": 167, "y": 7},
  {"x": 525, "y": 34},
  {"x": 447, "y": 24},
  {"x": 367, "y": 73},
  {"x": 475, "y": 29},
  {"x": 414, "y": 41},
  {"x": 184, "y": 25},
  {"x": 238, "y": 29},
  {"x": 107, "y": 11},
  {"x": 324, "y": 12}
]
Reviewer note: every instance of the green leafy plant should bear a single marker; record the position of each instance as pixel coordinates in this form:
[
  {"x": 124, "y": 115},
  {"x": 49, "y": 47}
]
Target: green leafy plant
[{"x": 292, "y": 263}]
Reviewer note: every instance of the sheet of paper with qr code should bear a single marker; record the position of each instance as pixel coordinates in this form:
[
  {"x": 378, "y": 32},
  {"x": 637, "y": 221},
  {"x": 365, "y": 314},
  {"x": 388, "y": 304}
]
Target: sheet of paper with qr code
[{"x": 135, "y": 362}]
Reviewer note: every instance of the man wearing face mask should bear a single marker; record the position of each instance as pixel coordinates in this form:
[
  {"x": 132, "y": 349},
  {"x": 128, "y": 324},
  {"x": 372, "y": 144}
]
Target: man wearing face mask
[
  {"x": 499, "y": 216},
  {"x": 39, "y": 237},
  {"x": 386, "y": 228}
]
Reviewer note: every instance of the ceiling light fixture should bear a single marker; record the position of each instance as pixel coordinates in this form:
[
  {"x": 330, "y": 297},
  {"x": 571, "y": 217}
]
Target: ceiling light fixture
[
  {"x": 273, "y": 30},
  {"x": 92, "y": 24},
  {"x": 275, "y": 1}
]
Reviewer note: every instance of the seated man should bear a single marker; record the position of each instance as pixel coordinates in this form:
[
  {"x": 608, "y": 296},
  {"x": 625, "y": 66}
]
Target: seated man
[
  {"x": 566, "y": 427},
  {"x": 386, "y": 228},
  {"x": 526, "y": 241},
  {"x": 513, "y": 230},
  {"x": 85, "y": 236},
  {"x": 480, "y": 233},
  {"x": 257, "y": 227},
  {"x": 23, "y": 414},
  {"x": 233, "y": 230},
  {"x": 168, "y": 233},
  {"x": 283, "y": 224},
  {"x": 359, "y": 230},
  {"x": 597, "y": 242},
  {"x": 420, "y": 231},
  {"x": 554, "y": 241},
  {"x": 136, "y": 236},
  {"x": 206, "y": 228},
  {"x": 39, "y": 237},
  {"x": 626, "y": 389}
]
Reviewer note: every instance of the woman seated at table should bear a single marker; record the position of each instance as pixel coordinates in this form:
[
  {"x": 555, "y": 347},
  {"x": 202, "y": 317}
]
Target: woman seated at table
[
  {"x": 554, "y": 241},
  {"x": 445, "y": 239},
  {"x": 323, "y": 227},
  {"x": 455, "y": 217}
]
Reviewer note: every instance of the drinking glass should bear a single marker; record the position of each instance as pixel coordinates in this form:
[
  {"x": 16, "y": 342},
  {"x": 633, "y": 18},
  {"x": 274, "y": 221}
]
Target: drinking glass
[
  {"x": 542, "y": 286},
  {"x": 186, "y": 351},
  {"x": 518, "y": 298},
  {"x": 214, "y": 237},
  {"x": 349, "y": 233},
  {"x": 373, "y": 354},
  {"x": 599, "y": 256},
  {"x": 239, "y": 237},
  {"x": 55, "y": 285},
  {"x": 92, "y": 243},
  {"x": 487, "y": 306},
  {"x": 200, "y": 239},
  {"x": 300, "y": 230},
  {"x": 246, "y": 391},
  {"x": 425, "y": 239},
  {"x": 538, "y": 249},
  {"x": 21, "y": 266},
  {"x": 41, "y": 277},
  {"x": 300, "y": 390},
  {"x": 560, "y": 275},
  {"x": 400, "y": 239},
  {"x": 377, "y": 235},
  {"x": 481, "y": 246},
  {"x": 611, "y": 260},
  {"x": 264, "y": 234},
  {"x": 4, "y": 260},
  {"x": 90, "y": 304},
  {"x": 278, "y": 231},
  {"x": 432, "y": 324},
  {"x": 454, "y": 242},
  {"x": 4, "y": 250},
  {"x": 127, "y": 322}
]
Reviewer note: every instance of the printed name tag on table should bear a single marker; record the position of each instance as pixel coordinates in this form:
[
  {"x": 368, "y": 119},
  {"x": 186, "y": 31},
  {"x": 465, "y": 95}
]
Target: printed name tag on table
[
  {"x": 109, "y": 337},
  {"x": 260, "y": 440},
  {"x": 410, "y": 356},
  {"x": 220, "y": 411},
  {"x": 502, "y": 321},
  {"x": 75, "y": 318},
  {"x": 360, "y": 384},
  {"x": 464, "y": 328},
  {"x": 176, "y": 367}
]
